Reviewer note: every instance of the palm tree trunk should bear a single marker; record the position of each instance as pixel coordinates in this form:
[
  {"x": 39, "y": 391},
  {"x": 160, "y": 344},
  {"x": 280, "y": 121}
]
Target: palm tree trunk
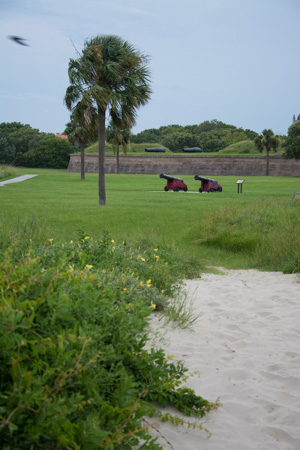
[
  {"x": 82, "y": 161},
  {"x": 267, "y": 156},
  {"x": 101, "y": 142},
  {"x": 118, "y": 158}
]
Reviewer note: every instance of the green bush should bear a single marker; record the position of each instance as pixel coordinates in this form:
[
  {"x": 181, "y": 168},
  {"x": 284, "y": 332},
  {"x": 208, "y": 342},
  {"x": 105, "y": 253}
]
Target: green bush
[
  {"x": 74, "y": 371},
  {"x": 51, "y": 152}
]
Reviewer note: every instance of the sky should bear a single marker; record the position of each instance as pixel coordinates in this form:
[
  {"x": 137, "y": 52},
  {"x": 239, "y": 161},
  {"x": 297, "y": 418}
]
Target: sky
[{"x": 236, "y": 61}]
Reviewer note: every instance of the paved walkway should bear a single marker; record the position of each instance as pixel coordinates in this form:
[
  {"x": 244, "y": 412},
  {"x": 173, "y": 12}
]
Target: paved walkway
[{"x": 17, "y": 179}]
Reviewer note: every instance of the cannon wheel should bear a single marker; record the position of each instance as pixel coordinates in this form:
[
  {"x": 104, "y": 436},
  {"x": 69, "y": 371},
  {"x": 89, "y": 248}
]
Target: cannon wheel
[
  {"x": 220, "y": 189},
  {"x": 200, "y": 190},
  {"x": 212, "y": 190},
  {"x": 185, "y": 188},
  {"x": 176, "y": 189},
  {"x": 166, "y": 189}
]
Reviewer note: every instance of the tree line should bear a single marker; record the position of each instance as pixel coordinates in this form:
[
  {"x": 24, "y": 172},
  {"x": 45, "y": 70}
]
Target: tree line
[
  {"x": 210, "y": 136},
  {"x": 21, "y": 145}
]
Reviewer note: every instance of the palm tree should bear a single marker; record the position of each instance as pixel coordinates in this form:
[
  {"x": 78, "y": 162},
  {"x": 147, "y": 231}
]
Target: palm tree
[
  {"x": 110, "y": 75},
  {"x": 267, "y": 141},
  {"x": 83, "y": 124},
  {"x": 119, "y": 135}
]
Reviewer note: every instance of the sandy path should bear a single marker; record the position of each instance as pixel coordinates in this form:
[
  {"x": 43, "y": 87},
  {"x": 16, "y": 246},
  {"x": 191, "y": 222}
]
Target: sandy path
[{"x": 246, "y": 346}]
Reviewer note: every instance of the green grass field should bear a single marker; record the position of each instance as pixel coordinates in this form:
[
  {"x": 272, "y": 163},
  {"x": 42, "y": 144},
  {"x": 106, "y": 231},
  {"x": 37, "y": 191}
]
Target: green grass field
[
  {"x": 258, "y": 228},
  {"x": 76, "y": 301}
]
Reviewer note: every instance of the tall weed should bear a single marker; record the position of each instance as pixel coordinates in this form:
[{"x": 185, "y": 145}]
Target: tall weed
[
  {"x": 267, "y": 234},
  {"x": 7, "y": 171}
]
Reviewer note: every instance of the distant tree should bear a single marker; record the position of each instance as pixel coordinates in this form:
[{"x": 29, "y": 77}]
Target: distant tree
[
  {"x": 213, "y": 141},
  {"x": 118, "y": 135},
  {"x": 212, "y": 125},
  {"x": 170, "y": 129},
  {"x": 210, "y": 135},
  {"x": 250, "y": 134},
  {"x": 52, "y": 153},
  {"x": 177, "y": 140},
  {"x": 7, "y": 151},
  {"x": 111, "y": 75},
  {"x": 11, "y": 127},
  {"x": 19, "y": 136},
  {"x": 292, "y": 142},
  {"x": 82, "y": 130},
  {"x": 151, "y": 135},
  {"x": 234, "y": 136},
  {"x": 204, "y": 127},
  {"x": 269, "y": 142}
]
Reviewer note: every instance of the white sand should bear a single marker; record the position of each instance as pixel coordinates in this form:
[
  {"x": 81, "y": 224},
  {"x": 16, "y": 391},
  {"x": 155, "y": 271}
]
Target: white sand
[{"x": 246, "y": 346}]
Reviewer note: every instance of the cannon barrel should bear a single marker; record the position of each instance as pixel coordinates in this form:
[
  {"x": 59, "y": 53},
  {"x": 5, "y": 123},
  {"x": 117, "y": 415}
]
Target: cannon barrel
[
  {"x": 169, "y": 177},
  {"x": 197, "y": 177}
]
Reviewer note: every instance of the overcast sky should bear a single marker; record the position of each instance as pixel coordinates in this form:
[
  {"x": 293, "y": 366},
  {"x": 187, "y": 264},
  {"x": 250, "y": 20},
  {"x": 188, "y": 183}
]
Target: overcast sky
[{"x": 236, "y": 61}]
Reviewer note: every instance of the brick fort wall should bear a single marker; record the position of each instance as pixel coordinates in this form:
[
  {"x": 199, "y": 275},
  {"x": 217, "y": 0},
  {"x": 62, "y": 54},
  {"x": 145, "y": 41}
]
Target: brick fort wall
[{"x": 190, "y": 165}]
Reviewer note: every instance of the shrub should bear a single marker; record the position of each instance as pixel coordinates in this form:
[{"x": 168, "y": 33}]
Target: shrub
[
  {"x": 51, "y": 152},
  {"x": 74, "y": 372}
]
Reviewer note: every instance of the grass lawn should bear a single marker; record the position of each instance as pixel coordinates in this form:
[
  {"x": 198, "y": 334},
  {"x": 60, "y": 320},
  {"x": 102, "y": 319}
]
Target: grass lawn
[
  {"x": 212, "y": 229},
  {"x": 76, "y": 301}
]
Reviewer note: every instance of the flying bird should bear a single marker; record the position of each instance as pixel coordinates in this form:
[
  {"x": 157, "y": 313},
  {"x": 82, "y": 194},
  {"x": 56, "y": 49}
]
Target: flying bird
[{"x": 19, "y": 40}]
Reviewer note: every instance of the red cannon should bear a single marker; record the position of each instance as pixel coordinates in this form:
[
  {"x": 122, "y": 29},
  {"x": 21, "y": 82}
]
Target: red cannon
[
  {"x": 208, "y": 184},
  {"x": 173, "y": 183}
]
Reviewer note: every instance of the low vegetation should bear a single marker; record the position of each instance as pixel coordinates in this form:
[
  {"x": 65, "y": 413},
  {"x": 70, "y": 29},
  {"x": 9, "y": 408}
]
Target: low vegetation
[
  {"x": 246, "y": 147},
  {"x": 74, "y": 370},
  {"x": 267, "y": 233},
  {"x": 7, "y": 172}
]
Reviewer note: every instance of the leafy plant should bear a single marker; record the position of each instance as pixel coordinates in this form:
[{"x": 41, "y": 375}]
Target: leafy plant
[{"x": 74, "y": 371}]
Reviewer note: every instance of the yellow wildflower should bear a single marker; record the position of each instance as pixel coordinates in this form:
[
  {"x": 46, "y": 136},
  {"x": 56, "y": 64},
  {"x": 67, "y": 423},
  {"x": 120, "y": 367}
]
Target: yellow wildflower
[
  {"x": 153, "y": 305},
  {"x": 112, "y": 241},
  {"x": 149, "y": 283},
  {"x": 141, "y": 284},
  {"x": 157, "y": 257},
  {"x": 143, "y": 259},
  {"x": 86, "y": 238},
  {"x": 155, "y": 249},
  {"x": 89, "y": 266},
  {"x": 50, "y": 240},
  {"x": 125, "y": 289}
]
